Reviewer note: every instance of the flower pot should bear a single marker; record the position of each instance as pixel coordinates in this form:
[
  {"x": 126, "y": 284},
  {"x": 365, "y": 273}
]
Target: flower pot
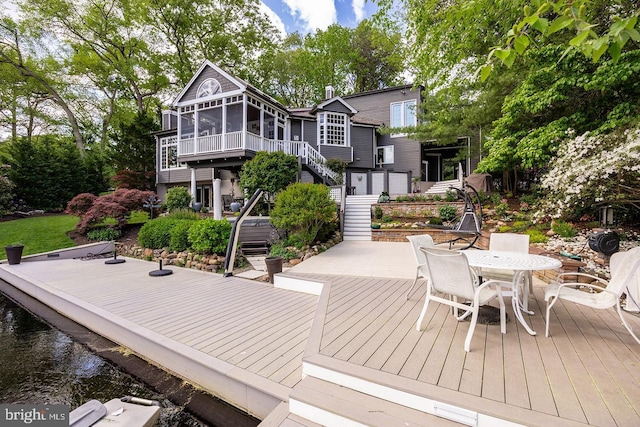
[
  {"x": 14, "y": 253},
  {"x": 197, "y": 206},
  {"x": 274, "y": 265},
  {"x": 235, "y": 206}
]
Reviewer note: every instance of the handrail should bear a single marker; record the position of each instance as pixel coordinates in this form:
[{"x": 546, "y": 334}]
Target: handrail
[{"x": 230, "y": 257}]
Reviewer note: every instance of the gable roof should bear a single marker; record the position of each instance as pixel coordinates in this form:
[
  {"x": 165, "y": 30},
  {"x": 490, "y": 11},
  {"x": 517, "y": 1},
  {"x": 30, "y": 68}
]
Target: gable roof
[
  {"x": 208, "y": 64},
  {"x": 326, "y": 103}
]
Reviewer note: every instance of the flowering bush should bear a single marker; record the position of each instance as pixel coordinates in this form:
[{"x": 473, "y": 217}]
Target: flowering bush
[{"x": 592, "y": 170}]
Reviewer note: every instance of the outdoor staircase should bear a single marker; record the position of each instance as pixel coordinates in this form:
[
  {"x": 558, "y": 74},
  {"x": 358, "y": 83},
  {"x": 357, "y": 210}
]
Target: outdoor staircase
[
  {"x": 441, "y": 187},
  {"x": 357, "y": 217}
]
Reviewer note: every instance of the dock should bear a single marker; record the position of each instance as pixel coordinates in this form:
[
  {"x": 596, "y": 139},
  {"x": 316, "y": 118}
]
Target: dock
[{"x": 333, "y": 342}]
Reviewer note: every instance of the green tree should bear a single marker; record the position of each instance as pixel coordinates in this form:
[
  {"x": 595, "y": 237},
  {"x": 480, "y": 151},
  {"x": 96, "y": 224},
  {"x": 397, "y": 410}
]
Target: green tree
[
  {"x": 302, "y": 209},
  {"x": 46, "y": 171},
  {"x": 135, "y": 149},
  {"x": 270, "y": 172}
]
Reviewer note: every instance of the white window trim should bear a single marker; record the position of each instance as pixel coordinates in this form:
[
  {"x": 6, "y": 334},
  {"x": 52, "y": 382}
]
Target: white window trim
[
  {"x": 166, "y": 144},
  {"x": 322, "y": 123},
  {"x": 388, "y": 154},
  {"x": 402, "y": 105}
]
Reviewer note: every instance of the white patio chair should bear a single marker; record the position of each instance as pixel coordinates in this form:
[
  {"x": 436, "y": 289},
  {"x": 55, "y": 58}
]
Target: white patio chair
[
  {"x": 450, "y": 274},
  {"x": 624, "y": 267},
  {"x": 417, "y": 241},
  {"x": 512, "y": 242}
]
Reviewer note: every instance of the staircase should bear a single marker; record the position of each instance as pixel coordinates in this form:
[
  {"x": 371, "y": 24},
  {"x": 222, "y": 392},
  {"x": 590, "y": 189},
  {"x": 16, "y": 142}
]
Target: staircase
[
  {"x": 357, "y": 217},
  {"x": 441, "y": 187}
]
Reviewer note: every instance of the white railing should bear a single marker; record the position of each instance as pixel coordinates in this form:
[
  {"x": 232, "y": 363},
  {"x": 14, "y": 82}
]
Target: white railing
[{"x": 249, "y": 141}]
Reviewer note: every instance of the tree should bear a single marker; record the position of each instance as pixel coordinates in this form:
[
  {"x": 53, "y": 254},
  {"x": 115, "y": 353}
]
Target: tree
[
  {"x": 270, "y": 172},
  {"x": 39, "y": 71},
  {"x": 350, "y": 60},
  {"x": 134, "y": 151},
  {"x": 546, "y": 21},
  {"x": 47, "y": 171}
]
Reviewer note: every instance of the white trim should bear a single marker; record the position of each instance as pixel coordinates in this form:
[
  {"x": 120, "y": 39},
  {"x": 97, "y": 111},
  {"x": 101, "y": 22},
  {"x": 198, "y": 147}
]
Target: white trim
[
  {"x": 420, "y": 403},
  {"x": 205, "y": 64},
  {"x": 320, "y": 416}
]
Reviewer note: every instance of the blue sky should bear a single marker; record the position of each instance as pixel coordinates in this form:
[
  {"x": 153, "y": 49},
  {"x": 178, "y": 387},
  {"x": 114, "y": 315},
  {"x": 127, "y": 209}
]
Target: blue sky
[{"x": 307, "y": 15}]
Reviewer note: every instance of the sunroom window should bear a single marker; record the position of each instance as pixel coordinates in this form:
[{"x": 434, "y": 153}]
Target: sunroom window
[{"x": 333, "y": 129}]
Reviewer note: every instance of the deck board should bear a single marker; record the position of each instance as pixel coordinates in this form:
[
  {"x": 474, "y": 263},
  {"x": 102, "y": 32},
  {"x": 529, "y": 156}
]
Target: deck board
[{"x": 587, "y": 371}]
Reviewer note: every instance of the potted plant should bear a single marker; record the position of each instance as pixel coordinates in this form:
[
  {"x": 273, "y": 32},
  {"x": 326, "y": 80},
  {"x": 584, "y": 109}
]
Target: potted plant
[
  {"x": 14, "y": 253},
  {"x": 375, "y": 225}
]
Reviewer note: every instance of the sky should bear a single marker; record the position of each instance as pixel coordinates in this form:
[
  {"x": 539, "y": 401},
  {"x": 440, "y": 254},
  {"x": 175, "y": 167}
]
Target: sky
[{"x": 305, "y": 16}]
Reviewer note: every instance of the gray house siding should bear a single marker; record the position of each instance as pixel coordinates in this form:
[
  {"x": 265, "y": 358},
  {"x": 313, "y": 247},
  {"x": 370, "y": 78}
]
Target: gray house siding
[
  {"x": 336, "y": 152},
  {"x": 337, "y": 107},
  {"x": 362, "y": 141},
  {"x": 226, "y": 84},
  {"x": 311, "y": 133}
]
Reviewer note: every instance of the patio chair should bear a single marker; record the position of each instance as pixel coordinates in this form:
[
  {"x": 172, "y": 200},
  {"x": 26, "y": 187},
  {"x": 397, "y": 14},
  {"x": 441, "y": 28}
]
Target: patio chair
[
  {"x": 624, "y": 268},
  {"x": 418, "y": 241},
  {"x": 226, "y": 202},
  {"x": 512, "y": 242},
  {"x": 450, "y": 274}
]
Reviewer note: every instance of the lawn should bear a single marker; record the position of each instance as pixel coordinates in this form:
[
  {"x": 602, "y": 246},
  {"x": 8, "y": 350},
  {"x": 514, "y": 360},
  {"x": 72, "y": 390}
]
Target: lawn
[{"x": 37, "y": 234}]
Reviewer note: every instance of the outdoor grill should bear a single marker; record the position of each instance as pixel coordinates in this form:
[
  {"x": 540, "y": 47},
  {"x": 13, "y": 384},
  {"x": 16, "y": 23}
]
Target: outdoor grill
[{"x": 605, "y": 242}]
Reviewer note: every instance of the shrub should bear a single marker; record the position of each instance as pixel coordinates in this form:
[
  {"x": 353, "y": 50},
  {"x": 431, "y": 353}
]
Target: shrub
[
  {"x": 451, "y": 196},
  {"x": 377, "y": 212},
  {"x": 447, "y": 212},
  {"x": 184, "y": 214},
  {"x": 103, "y": 233},
  {"x": 179, "y": 235},
  {"x": 386, "y": 218},
  {"x": 302, "y": 209},
  {"x": 435, "y": 221},
  {"x": 156, "y": 234},
  {"x": 564, "y": 229},
  {"x": 280, "y": 249},
  {"x": 178, "y": 198},
  {"x": 536, "y": 236},
  {"x": 210, "y": 235},
  {"x": 81, "y": 204}
]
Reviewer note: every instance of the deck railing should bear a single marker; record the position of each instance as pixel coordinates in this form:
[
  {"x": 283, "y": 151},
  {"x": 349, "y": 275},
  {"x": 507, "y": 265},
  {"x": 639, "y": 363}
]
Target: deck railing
[{"x": 210, "y": 144}]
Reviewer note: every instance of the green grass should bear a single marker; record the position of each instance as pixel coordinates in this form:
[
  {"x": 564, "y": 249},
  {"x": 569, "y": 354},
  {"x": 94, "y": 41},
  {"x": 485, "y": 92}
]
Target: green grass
[{"x": 37, "y": 234}]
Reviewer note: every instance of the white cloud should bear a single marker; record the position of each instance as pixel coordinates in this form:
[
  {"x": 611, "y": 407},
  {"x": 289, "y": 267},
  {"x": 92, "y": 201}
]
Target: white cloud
[
  {"x": 314, "y": 14},
  {"x": 275, "y": 19},
  {"x": 358, "y": 9}
]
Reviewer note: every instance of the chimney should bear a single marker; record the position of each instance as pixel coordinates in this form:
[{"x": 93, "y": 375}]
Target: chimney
[{"x": 328, "y": 92}]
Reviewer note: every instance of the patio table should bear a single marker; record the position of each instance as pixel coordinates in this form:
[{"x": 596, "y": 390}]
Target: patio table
[{"x": 520, "y": 264}]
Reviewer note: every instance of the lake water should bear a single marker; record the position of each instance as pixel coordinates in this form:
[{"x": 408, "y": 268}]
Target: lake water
[{"x": 41, "y": 365}]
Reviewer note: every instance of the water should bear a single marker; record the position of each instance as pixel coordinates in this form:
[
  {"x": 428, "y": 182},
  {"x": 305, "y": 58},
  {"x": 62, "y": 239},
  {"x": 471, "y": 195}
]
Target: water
[{"x": 41, "y": 365}]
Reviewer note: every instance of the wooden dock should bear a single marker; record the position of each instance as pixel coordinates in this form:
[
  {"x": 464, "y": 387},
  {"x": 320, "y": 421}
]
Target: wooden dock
[{"x": 351, "y": 356}]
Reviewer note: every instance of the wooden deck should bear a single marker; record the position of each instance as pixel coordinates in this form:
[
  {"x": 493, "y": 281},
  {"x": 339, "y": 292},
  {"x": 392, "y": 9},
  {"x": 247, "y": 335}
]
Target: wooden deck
[
  {"x": 586, "y": 373},
  {"x": 241, "y": 340},
  {"x": 252, "y": 344}
]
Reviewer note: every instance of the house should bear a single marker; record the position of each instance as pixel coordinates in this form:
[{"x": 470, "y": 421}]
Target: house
[{"x": 218, "y": 122}]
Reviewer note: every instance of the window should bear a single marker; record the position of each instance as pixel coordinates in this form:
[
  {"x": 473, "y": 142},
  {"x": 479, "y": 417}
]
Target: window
[
  {"x": 333, "y": 129},
  {"x": 169, "y": 153},
  {"x": 208, "y": 87},
  {"x": 403, "y": 114},
  {"x": 384, "y": 155}
]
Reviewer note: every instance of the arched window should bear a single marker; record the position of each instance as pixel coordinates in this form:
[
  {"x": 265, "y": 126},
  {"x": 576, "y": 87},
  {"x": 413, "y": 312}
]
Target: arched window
[{"x": 208, "y": 87}]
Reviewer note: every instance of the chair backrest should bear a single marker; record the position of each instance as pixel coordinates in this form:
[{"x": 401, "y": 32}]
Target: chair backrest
[
  {"x": 624, "y": 268},
  {"x": 509, "y": 242},
  {"x": 418, "y": 241},
  {"x": 449, "y": 272}
]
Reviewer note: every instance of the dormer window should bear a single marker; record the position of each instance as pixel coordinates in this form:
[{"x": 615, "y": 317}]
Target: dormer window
[
  {"x": 333, "y": 129},
  {"x": 208, "y": 87}
]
